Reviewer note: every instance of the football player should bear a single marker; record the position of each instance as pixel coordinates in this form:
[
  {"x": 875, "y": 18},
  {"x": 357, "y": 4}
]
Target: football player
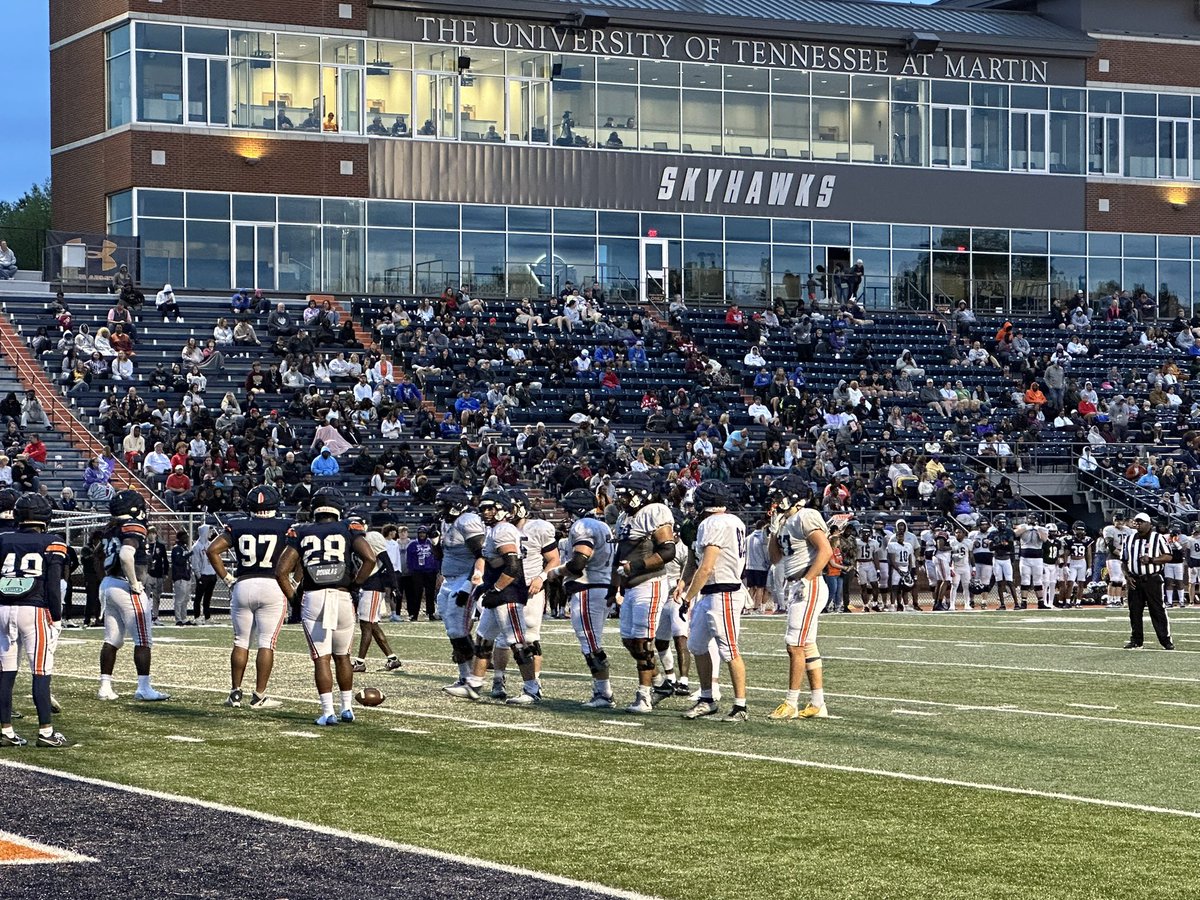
[
  {"x": 800, "y": 546},
  {"x": 645, "y": 545},
  {"x": 461, "y": 542},
  {"x": 1079, "y": 564},
  {"x": 122, "y": 595},
  {"x": 867, "y": 547},
  {"x": 539, "y": 554},
  {"x": 900, "y": 563},
  {"x": 984, "y": 560},
  {"x": 961, "y": 546},
  {"x": 715, "y": 577},
  {"x": 1173, "y": 571},
  {"x": 255, "y": 604},
  {"x": 370, "y": 603},
  {"x": 670, "y": 637},
  {"x": 1114, "y": 537},
  {"x": 1053, "y": 564},
  {"x": 1002, "y": 542},
  {"x": 1192, "y": 544},
  {"x": 942, "y": 565},
  {"x": 319, "y": 557},
  {"x": 502, "y": 595},
  {"x": 586, "y": 575},
  {"x": 32, "y": 566},
  {"x": 1031, "y": 536}
]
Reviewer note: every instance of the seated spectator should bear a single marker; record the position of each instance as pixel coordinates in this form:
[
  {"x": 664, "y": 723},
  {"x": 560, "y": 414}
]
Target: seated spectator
[
  {"x": 240, "y": 302},
  {"x": 95, "y": 480},
  {"x": 8, "y": 262},
  {"x": 223, "y": 333},
  {"x": 753, "y": 359},
  {"x": 243, "y": 334},
  {"x": 735, "y": 316},
  {"x": 165, "y": 303},
  {"x": 122, "y": 367},
  {"x": 103, "y": 345},
  {"x": 325, "y": 464},
  {"x": 280, "y": 323},
  {"x": 178, "y": 487},
  {"x": 156, "y": 463},
  {"x": 637, "y": 356}
]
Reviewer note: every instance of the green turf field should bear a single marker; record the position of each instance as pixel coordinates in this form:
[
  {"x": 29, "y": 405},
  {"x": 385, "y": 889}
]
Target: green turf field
[{"x": 980, "y": 755}]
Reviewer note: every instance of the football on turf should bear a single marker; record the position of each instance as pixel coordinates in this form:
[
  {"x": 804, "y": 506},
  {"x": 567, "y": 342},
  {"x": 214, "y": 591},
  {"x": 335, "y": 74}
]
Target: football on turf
[{"x": 370, "y": 697}]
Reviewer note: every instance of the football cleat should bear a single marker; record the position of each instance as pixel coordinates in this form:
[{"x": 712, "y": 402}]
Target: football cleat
[
  {"x": 736, "y": 715},
  {"x": 814, "y": 712},
  {"x": 462, "y": 691},
  {"x": 327, "y": 720},
  {"x": 347, "y": 715},
  {"x": 56, "y": 739},
  {"x": 234, "y": 699},
  {"x": 257, "y": 702},
  {"x": 498, "y": 691},
  {"x": 784, "y": 711},
  {"x": 640, "y": 706},
  {"x": 106, "y": 693},
  {"x": 393, "y": 663},
  {"x": 358, "y": 665},
  {"x": 55, "y": 706},
  {"x": 666, "y": 689},
  {"x": 682, "y": 689},
  {"x": 15, "y": 741},
  {"x": 525, "y": 699},
  {"x": 599, "y": 701},
  {"x": 701, "y": 708},
  {"x": 150, "y": 696}
]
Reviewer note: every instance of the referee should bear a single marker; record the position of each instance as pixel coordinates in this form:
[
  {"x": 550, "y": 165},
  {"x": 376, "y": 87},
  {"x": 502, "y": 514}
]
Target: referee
[{"x": 1143, "y": 557}]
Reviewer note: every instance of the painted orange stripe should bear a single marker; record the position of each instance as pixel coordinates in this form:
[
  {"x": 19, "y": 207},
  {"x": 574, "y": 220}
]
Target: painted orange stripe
[{"x": 15, "y": 853}]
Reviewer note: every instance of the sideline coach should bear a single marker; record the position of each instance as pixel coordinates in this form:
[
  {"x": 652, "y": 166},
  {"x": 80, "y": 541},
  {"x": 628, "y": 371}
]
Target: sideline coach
[{"x": 1143, "y": 557}]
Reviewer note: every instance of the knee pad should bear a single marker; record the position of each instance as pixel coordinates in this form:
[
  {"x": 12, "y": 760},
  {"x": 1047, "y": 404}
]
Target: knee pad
[
  {"x": 596, "y": 662},
  {"x": 463, "y": 650},
  {"x": 643, "y": 654},
  {"x": 812, "y": 658},
  {"x": 483, "y": 649},
  {"x": 662, "y": 646},
  {"x": 523, "y": 654},
  {"x": 535, "y": 648}
]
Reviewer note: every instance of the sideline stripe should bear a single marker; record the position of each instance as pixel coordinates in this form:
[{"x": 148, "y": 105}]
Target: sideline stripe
[
  {"x": 653, "y": 745},
  {"x": 19, "y": 851},
  {"x": 325, "y": 829}
]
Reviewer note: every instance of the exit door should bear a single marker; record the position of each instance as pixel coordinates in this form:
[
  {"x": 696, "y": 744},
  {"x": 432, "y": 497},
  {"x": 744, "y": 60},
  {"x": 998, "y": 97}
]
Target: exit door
[
  {"x": 836, "y": 258},
  {"x": 654, "y": 260}
]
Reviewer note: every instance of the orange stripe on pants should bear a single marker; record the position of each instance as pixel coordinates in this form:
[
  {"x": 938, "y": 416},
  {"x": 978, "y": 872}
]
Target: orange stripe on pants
[
  {"x": 809, "y": 613},
  {"x": 730, "y": 634},
  {"x": 654, "y": 603}
]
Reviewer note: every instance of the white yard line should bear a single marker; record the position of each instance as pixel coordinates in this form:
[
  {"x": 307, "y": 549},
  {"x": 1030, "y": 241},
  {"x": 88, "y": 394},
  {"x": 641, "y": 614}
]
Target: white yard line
[
  {"x": 999, "y": 668},
  {"x": 1092, "y": 706},
  {"x": 302, "y": 734},
  {"x": 184, "y": 739},
  {"x": 53, "y": 854},
  {"x": 1177, "y": 703},
  {"x": 408, "y": 731},
  {"x": 332, "y": 832},
  {"x": 914, "y": 712}
]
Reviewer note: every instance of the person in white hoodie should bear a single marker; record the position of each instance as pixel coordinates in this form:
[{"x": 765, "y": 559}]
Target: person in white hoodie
[
  {"x": 206, "y": 575},
  {"x": 165, "y": 303}
]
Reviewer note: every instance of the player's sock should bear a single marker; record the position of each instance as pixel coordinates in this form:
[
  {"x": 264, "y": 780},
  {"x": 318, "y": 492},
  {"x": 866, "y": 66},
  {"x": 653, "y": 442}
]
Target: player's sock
[
  {"x": 8, "y": 731},
  {"x": 46, "y": 730},
  {"x": 327, "y": 704},
  {"x": 464, "y": 671},
  {"x": 7, "y": 680},
  {"x": 499, "y": 676},
  {"x": 683, "y": 680},
  {"x": 739, "y": 701},
  {"x": 41, "y": 698},
  {"x": 474, "y": 681},
  {"x": 793, "y": 698},
  {"x": 144, "y": 683},
  {"x": 347, "y": 699},
  {"x": 603, "y": 687},
  {"x": 106, "y": 681},
  {"x": 818, "y": 697},
  {"x": 706, "y": 695},
  {"x": 659, "y": 678},
  {"x": 644, "y": 693},
  {"x": 532, "y": 686}
]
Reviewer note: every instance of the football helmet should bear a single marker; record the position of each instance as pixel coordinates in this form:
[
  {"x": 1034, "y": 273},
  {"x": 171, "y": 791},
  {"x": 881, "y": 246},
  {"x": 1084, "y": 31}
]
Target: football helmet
[
  {"x": 263, "y": 501},
  {"x": 789, "y": 492},
  {"x": 1052, "y": 528},
  {"x": 579, "y": 502},
  {"x": 635, "y": 490},
  {"x": 127, "y": 505},
  {"x": 495, "y": 506},
  {"x": 976, "y": 586},
  {"x": 33, "y": 509},
  {"x": 328, "y": 502},
  {"x": 1080, "y": 529},
  {"x": 453, "y": 501},
  {"x": 521, "y": 507},
  {"x": 906, "y": 580},
  {"x": 8, "y": 502},
  {"x": 712, "y": 495}
]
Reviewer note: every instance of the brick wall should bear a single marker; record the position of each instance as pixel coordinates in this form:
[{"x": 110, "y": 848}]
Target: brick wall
[
  {"x": 1144, "y": 208},
  {"x": 314, "y": 13},
  {"x": 1134, "y": 62},
  {"x": 77, "y": 86},
  {"x": 68, "y": 17},
  {"x": 83, "y": 177}
]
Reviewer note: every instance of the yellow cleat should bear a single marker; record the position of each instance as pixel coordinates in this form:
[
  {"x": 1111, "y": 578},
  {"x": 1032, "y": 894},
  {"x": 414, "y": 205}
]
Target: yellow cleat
[
  {"x": 814, "y": 712},
  {"x": 783, "y": 711}
]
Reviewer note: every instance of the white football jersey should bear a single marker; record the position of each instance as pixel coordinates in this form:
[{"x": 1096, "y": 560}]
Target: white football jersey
[
  {"x": 960, "y": 552},
  {"x": 728, "y": 533},
  {"x": 535, "y": 534},
  {"x": 457, "y": 559},
  {"x": 793, "y": 540},
  {"x": 499, "y": 535},
  {"x": 597, "y": 535},
  {"x": 900, "y": 554}
]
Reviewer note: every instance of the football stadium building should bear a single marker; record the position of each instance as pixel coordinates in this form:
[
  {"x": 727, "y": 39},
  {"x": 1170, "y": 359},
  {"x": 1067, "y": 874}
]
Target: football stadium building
[{"x": 1005, "y": 152}]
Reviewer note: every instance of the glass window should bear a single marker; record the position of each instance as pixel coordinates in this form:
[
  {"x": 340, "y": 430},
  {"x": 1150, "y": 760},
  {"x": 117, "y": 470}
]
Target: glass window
[
  {"x": 833, "y": 234},
  {"x": 989, "y": 139},
  {"x": 343, "y": 258},
  {"x": 1140, "y": 276},
  {"x": 348, "y": 212},
  {"x": 529, "y": 269},
  {"x": 576, "y": 68},
  {"x": 117, "y": 41},
  {"x": 789, "y": 81},
  {"x": 910, "y": 121},
  {"x": 435, "y": 58},
  {"x": 1068, "y": 274},
  {"x": 747, "y": 117},
  {"x": 389, "y": 260},
  {"x": 389, "y": 89},
  {"x": 574, "y": 221},
  {"x": 702, "y": 122},
  {"x": 948, "y": 136},
  {"x": 952, "y": 276},
  {"x": 1066, "y": 99},
  {"x": 255, "y": 207},
  {"x": 299, "y": 209},
  {"x": 1071, "y": 243},
  {"x": 911, "y": 237},
  {"x": 616, "y": 70},
  {"x": 829, "y": 84},
  {"x": 118, "y": 78},
  {"x": 574, "y": 261},
  {"x": 910, "y": 278},
  {"x": 207, "y": 206},
  {"x": 831, "y": 129},
  {"x": 994, "y": 239},
  {"x": 660, "y": 119},
  {"x": 1104, "y": 275},
  {"x": 435, "y": 260},
  {"x": 528, "y": 65},
  {"x": 1029, "y": 242},
  {"x": 151, "y": 36},
  {"x": 619, "y": 223},
  {"x": 163, "y": 251},
  {"x": 667, "y": 225},
  {"x": 299, "y": 256},
  {"x": 160, "y": 203},
  {"x": 876, "y": 286},
  {"x": 436, "y": 215},
  {"x": 747, "y": 271},
  {"x": 482, "y": 99},
  {"x": 1172, "y": 247},
  {"x": 1175, "y": 105},
  {"x": 210, "y": 41},
  {"x": 482, "y": 218},
  {"x": 1102, "y": 244},
  {"x": 703, "y": 228},
  {"x": 1141, "y": 147},
  {"x": 870, "y": 120},
  {"x": 955, "y": 92},
  {"x": 208, "y": 252},
  {"x": 701, "y": 75},
  {"x": 1174, "y": 287},
  {"x": 343, "y": 51},
  {"x": 617, "y": 104},
  {"x": 743, "y": 78},
  {"x": 790, "y": 267},
  {"x": 120, "y": 206},
  {"x": 1067, "y": 155},
  {"x": 1140, "y": 245},
  {"x": 659, "y": 74},
  {"x": 298, "y": 48},
  {"x": 617, "y": 266},
  {"x": 1029, "y": 97},
  {"x": 1031, "y": 285},
  {"x": 160, "y": 87},
  {"x": 437, "y": 106},
  {"x": 528, "y": 219},
  {"x": 528, "y": 111},
  {"x": 871, "y": 235},
  {"x": 993, "y": 95},
  {"x": 792, "y": 231},
  {"x": 395, "y": 213},
  {"x": 575, "y": 106},
  {"x": 790, "y": 136},
  {"x": 952, "y": 238},
  {"x": 703, "y": 270},
  {"x": 1139, "y": 104},
  {"x": 483, "y": 258},
  {"x": 1104, "y": 102},
  {"x": 1174, "y": 148},
  {"x": 744, "y": 228}
]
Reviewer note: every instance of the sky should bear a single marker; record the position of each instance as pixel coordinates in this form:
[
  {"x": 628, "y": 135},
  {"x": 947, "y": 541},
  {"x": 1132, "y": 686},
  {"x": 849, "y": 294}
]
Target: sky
[{"x": 25, "y": 74}]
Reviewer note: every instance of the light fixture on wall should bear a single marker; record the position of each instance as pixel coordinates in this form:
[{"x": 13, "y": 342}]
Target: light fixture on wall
[
  {"x": 922, "y": 42},
  {"x": 252, "y": 160},
  {"x": 1178, "y": 205}
]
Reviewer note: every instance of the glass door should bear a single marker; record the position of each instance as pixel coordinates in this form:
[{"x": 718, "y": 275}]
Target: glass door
[
  {"x": 1028, "y": 134},
  {"x": 1174, "y": 148},
  {"x": 341, "y": 96},
  {"x": 436, "y": 105},
  {"x": 528, "y": 111},
  {"x": 254, "y": 256},
  {"x": 207, "y": 90},
  {"x": 950, "y": 136},
  {"x": 654, "y": 260},
  {"x": 1104, "y": 145}
]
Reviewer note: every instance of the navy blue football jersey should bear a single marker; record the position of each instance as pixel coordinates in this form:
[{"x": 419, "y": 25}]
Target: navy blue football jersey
[
  {"x": 28, "y": 560},
  {"x": 114, "y": 536},
  {"x": 257, "y": 544},
  {"x": 325, "y": 550}
]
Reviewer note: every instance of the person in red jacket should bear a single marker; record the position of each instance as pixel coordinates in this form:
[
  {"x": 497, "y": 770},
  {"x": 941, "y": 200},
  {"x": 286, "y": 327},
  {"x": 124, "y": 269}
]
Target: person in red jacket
[{"x": 735, "y": 316}]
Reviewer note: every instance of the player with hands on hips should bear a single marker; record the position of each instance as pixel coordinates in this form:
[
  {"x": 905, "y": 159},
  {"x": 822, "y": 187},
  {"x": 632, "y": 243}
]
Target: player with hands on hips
[{"x": 461, "y": 542}]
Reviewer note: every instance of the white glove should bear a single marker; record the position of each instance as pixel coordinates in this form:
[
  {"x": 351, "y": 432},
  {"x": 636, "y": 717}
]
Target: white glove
[
  {"x": 137, "y": 587},
  {"x": 229, "y": 579},
  {"x": 778, "y": 520}
]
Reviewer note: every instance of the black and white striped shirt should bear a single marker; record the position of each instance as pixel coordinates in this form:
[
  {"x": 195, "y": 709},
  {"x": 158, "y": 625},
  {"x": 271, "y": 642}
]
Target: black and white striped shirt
[{"x": 1136, "y": 546}]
